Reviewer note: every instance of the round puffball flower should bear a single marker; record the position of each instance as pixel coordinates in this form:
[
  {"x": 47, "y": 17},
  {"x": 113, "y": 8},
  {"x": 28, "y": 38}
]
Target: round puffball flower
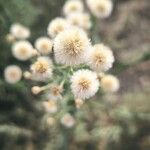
[
  {"x": 67, "y": 120},
  {"x": 22, "y": 50},
  {"x": 44, "y": 45},
  {"x": 109, "y": 83},
  {"x": 19, "y": 31},
  {"x": 56, "y": 26},
  {"x": 71, "y": 46},
  {"x": 42, "y": 69},
  {"x": 50, "y": 106},
  {"x": 84, "y": 84},
  {"x": 101, "y": 58},
  {"x": 81, "y": 20},
  {"x": 12, "y": 74},
  {"x": 72, "y": 6},
  {"x": 100, "y": 8}
]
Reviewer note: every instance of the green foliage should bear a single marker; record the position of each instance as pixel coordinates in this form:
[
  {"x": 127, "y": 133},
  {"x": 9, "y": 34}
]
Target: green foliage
[{"x": 21, "y": 11}]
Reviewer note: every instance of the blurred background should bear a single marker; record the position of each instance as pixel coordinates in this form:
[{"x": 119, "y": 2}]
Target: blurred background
[{"x": 127, "y": 115}]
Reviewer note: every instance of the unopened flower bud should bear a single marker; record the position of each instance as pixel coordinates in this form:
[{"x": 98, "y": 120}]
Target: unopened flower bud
[
  {"x": 27, "y": 75},
  {"x": 36, "y": 90},
  {"x": 10, "y": 38},
  {"x": 79, "y": 102}
]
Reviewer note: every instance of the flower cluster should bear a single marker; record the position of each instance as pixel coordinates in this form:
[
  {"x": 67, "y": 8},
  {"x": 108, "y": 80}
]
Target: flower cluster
[{"x": 66, "y": 60}]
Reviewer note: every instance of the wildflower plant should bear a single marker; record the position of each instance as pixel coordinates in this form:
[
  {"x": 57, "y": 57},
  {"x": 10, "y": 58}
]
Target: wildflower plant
[{"x": 67, "y": 67}]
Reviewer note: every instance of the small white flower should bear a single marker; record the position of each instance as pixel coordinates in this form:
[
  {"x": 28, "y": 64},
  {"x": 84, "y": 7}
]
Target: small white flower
[
  {"x": 12, "y": 74},
  {"x": 101, "y": 58},
  {"x": 72, "y": 6},
  {"x": 56, "y": 26},
  {"x": 81, "y": 20},
  {"x": 71, "y": 47},
  {"x": 100, "y": 8},
  {"x": 42, "y": 69},
  {"x": 44, "y": 45},
  {"x": 19, "y": 31},
  {"x": 67, "y": 120},
  {"x": 50, "y": 106},
  {"x": 109, "y": 83},
  {"x": 84, "y": 84},
  {"x": 22, "y": 50}
]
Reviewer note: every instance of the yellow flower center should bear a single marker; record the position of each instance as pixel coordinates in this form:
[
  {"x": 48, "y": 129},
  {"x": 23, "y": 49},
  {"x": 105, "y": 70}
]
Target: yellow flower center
[
  {"x": 23, "y": 51},
  {"x": 74, "y": 46},
  {"x": 41, "y": 66},
  {"x": 84, "y": 84},
  {"x": 99, "y": 59},
  {"x": 56, "y": 90},
  {"x": 100, "y": 8}
]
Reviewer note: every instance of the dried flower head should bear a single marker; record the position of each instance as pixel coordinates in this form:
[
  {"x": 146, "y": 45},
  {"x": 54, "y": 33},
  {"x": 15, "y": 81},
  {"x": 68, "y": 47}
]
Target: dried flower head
[
  {"x": 12, "y": 74},
  {"x": 109, "y": 83},
  {"x": 81, "y": 20},
  {"x": 44, "y": 45},
  {"x": 72, "y": 6},
  {"x": 100, "y": 8},
  {"x": 101, "y": 58},
  {"x": 42, "y": 69},
  {"x": 55, "y": 92},
  {"x": 56, "y": 26},
  {"x": 67, "y": 120},
  {"x": 22, "y": 50},
  {"x": 19, "y": 31},
  {"x": 71, "y": 47},
  {"x": 84, "y": 84}
]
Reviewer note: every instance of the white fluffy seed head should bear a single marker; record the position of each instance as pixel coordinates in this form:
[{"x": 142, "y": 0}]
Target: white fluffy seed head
[
  {"x": 110, "y": 83},
  {"x": 22, "y": 50},
  {"x": 101, "y": 58},
  {"x": 100, "y": 8},
  {"x": 12, "y": 74},
  {"x": 71, "y": 46},
  {"x": 84, "y": 84},
  {"x": 42, "y": 69},
  {"x": 72, "y": 6},
  {"x": 44, "y": 45},
  {"x": 19, "y": 31},
  {"x": 56, "y": 26},
  {"x": 67, "y": 120},
  {"x": 81, "y": 20}
]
